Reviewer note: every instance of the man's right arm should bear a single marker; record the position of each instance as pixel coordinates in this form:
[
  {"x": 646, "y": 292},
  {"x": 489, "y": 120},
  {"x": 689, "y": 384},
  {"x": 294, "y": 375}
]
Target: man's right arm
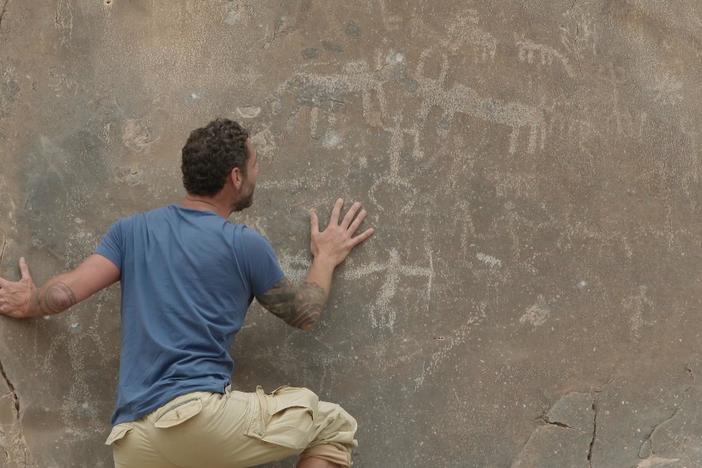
[
  {"x": 299, "y": 306},
  {"x": 302, "y": 306}
]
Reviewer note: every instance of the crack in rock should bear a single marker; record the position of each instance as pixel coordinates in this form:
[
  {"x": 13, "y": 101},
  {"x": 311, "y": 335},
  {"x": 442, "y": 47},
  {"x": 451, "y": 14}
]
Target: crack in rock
[
  {"x": 4, "y": 9},
  {"x": 546, "y": 420},
  {"x": 594, "y": 432},
  {"x": 19, "y": 440},
  {"x": 646, "y": 450},
  {"x": 12, "y": 390},
  {"x": 567, "y": 442}
]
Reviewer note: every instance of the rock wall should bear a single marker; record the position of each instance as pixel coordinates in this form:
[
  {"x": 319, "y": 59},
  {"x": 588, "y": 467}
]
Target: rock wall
[{"x": 531, "y": 297}]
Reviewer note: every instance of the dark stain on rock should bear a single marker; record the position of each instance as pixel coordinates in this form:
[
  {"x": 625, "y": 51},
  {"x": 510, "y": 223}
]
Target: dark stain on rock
[
  {"x": 352, "y": 29},
  {"x": 9, "y": 89},
  {"x": 310, "y": 53},
  {"x": 332, "y": 47}
]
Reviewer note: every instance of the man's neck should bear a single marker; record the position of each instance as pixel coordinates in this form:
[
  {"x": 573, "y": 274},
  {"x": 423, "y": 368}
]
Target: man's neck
[{"x": 194, "y": 202}]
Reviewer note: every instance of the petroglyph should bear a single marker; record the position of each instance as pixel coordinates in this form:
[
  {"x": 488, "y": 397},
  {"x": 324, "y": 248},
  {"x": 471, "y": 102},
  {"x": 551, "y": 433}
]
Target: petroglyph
[
  {"x": 248, "y": 112},
  {"x": 579, "y": 36},
  {"x": 405, "y": 190},
  {"x": 641, "y": 309},
  {"x": 489, "y": 260},
  {"x": 382, "y": 313},
  {"x": 537, "y": 314},
  {"x": 137, "y": 135},
  {"x": 264, "y": 141},
  {"x": 329, "y": 91},
  {"x": 464, "y": 37},
  {"x": 64, "y": 21},
  {"x": 465, "y": 100},
  {"x": 527, "y": 50},
  {"x": 583, "y": 125},
  {"x": 464, "y": 32},
  {"x": 456, "y": 339}
]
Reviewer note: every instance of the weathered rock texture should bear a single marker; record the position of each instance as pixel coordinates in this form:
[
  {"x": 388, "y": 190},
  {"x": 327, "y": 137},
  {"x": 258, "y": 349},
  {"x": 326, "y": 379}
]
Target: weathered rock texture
[{"x": 532, "y": 295}]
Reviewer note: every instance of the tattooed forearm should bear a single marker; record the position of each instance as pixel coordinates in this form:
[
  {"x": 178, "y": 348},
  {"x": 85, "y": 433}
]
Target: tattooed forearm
[
  {"x": 299, "y": 306},
  {"x": 310, "y": 299},
  {"x": 52, "y": 298}
]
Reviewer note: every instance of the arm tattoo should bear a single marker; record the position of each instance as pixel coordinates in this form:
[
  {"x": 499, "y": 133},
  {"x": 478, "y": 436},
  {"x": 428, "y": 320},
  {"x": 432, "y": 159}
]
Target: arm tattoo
[
  {"x": 299, "y": 306},
  {"x": 53, "y": 298}
]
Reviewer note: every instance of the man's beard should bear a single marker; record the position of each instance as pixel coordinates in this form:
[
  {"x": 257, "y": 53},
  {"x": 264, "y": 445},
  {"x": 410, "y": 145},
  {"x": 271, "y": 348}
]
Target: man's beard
[{"x": 244, "y": 202}]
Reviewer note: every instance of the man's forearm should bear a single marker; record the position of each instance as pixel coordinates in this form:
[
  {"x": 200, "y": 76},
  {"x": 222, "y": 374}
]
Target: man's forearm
[
  {"x": 301, "y": 306},
  {"x": 52, "y": 298},
  {"x": 312, "y": 295},
  {"x": 320, "y": 273}
]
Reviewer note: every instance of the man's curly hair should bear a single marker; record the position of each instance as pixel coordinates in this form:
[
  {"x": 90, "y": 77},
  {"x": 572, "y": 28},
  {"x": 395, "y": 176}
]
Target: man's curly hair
[{"x": 211, "y": 153}]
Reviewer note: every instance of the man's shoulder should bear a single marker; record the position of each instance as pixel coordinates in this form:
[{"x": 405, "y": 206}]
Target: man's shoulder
[{"x": 249, "y": 233}]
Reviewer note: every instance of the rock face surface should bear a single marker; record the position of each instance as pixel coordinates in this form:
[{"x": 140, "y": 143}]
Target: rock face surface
[{"x": 532, "y": 295}]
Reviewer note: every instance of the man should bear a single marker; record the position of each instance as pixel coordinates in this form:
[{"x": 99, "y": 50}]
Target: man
[{"x": 188, "y": 276}]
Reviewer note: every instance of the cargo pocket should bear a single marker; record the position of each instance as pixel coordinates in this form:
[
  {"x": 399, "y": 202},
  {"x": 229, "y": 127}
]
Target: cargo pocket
[
  {"x": 118, "y": 432},
  {"x": 286, "y": 417},
  {"x": 179, "y": 413}
]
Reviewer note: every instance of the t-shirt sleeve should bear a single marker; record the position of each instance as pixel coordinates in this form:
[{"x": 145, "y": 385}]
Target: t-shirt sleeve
[
  {"x": 260, "y": 262},
  {"x": 112, "y": 246}
]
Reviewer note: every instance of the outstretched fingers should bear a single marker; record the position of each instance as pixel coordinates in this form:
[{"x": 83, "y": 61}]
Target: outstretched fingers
[
  {"x": 357, "y": 222},
  {"x": 350, "y": 214},
  {"x": 336, "y": 211},
  {"x": 362, "y": 237}
]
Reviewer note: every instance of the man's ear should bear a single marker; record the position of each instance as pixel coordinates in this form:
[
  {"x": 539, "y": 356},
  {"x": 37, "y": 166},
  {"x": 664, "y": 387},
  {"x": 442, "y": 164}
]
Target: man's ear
[{"x": 236, "y": 177}]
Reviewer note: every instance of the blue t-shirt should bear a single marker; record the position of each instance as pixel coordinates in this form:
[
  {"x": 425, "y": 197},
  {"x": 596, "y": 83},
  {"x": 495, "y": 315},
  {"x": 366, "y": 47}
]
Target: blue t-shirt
[{"x": 188, "y": 277}]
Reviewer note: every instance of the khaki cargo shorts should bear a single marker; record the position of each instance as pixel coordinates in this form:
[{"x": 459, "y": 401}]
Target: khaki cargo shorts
[{"x": 235, "y": 429}]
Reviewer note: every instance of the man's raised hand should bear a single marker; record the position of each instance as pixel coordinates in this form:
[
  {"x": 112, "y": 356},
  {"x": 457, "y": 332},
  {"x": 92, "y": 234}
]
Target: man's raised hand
[
  {"x": 16, "y": 296},
  {"x": 336, "y": 241}
]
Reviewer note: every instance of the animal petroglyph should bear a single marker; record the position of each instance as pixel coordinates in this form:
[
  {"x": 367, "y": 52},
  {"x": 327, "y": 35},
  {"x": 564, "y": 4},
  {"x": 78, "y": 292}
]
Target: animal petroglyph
[
  {"x": 329, "y": 91},
  {"x": 463, "y": 36},
  {"x": 527, "y": 50},
  {"x": 463, "y": 32},
  {"x": 465, "y": 100}
]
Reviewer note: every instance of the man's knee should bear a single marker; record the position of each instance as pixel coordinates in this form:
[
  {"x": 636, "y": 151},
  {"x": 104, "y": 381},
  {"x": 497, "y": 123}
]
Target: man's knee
[
  {"x": 336, "y": 435},
  {"x": 337, "y": 420}
]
